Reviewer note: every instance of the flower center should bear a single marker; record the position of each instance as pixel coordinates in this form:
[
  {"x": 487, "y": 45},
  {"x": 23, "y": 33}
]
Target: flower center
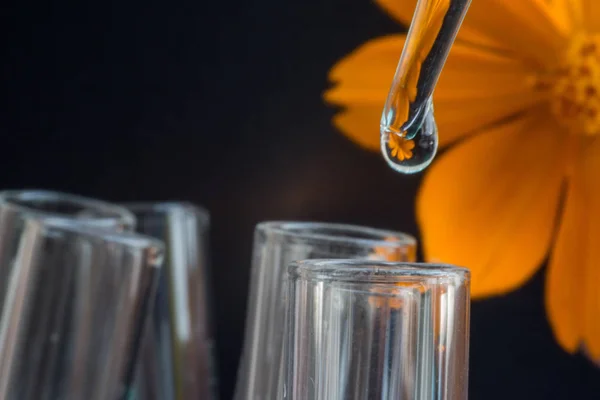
[{"x": 574, "y": 86}]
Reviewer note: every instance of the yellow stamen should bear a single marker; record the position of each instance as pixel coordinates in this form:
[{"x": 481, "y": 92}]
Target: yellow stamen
[{"x": 574, "y": 86}]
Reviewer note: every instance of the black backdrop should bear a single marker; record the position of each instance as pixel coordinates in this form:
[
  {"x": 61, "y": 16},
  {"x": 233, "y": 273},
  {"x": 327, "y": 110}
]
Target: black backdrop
[{"x": 219, "y": 104}]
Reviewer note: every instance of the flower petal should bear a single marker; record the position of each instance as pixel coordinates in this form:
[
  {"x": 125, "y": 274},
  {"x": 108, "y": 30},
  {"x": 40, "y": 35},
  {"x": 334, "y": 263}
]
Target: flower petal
[
  {"x": 471, "y": 72},
  {"x": 459, "y": 118},
  {"x": 489, "y": 204},
  {"x": 573, "y": 282},
  {"x": 531, "y": 28},
  {"x": 570, "y": 10},
  {"x": 401, "y": 10},
  {"x": 591, "y": 12},
  {"x": 476, "y": 88},
  {"x": 370, "y": 66},
  {"x": 361, "y": 125}
]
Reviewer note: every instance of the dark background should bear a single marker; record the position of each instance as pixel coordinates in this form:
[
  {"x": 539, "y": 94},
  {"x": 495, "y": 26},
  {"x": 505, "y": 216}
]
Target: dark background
[{"x": 219, "y": 104}]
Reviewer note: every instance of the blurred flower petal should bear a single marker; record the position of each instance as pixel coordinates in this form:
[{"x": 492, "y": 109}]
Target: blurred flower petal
[
  {"x": 573, "y": 286},
  {"x": 472, "y": 214}
]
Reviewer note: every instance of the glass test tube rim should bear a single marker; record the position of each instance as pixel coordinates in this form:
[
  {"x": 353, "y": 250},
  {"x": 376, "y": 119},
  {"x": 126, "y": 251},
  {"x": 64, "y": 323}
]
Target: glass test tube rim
[
  {"x": 337, "y": 233},
  {"x": 361, "y": 271},
  {"x": 16, "y": 200},
  {"x": 119, "y": 238},
  {"x": 168, "y": 207}
]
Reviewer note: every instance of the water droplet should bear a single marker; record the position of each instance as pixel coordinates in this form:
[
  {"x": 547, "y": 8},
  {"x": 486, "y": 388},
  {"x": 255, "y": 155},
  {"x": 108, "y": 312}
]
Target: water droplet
[{"x": 414, "y": 149}]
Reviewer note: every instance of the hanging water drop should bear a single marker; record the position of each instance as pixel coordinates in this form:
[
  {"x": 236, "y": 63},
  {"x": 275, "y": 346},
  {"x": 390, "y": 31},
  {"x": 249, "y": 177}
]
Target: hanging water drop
[{"x": 413, "y": 149}]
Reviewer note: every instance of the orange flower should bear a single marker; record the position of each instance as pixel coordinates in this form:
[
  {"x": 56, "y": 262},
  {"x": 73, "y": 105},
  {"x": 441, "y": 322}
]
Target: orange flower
[{"x": 519, "y": 100}]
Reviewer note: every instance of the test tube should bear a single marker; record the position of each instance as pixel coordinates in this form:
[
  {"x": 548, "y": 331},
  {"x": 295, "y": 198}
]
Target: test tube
[
  {"x": 177, "y": 360},
  {"x": 276, "y": 244},
  {"x": 362, "y": 330},
  {"x": 73, "y": 311}
]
